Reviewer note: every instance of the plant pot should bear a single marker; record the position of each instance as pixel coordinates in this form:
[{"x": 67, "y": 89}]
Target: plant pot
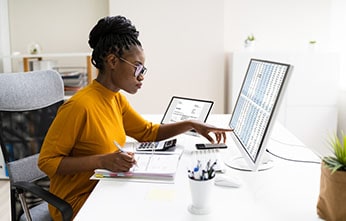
[
  {"x": 249, "y": 44},
  {"x": 332, "y": 198}
]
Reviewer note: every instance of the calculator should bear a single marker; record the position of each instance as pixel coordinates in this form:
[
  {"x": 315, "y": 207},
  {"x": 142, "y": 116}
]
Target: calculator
[{"x": 156, "y": 146}]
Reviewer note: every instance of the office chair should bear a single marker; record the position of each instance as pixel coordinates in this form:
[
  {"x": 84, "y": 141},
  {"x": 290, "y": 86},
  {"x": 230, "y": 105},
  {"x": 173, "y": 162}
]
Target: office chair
[{"x": 28, "y": 104}]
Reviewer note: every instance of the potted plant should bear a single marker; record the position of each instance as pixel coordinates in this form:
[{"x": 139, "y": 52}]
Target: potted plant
[
  {"x": 250, "y": 40},
  {"x": 332, "y": 198},
  {"x": 312, "y": 45}
]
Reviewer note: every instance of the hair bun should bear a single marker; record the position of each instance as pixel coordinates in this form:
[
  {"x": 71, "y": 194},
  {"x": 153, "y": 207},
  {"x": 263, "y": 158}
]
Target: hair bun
[
  {"x": 116, "y": 25},
  {"x": 111, "y": 35}
]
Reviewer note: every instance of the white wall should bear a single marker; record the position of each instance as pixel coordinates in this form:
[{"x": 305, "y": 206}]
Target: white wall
[
  {"x": 5, "y": 64},
  {"x": 338, "y": 33},
  {"x": 277, "y": 24},
  {"x": 57, "y": 26},
  {"x": 183, "y": 42}
]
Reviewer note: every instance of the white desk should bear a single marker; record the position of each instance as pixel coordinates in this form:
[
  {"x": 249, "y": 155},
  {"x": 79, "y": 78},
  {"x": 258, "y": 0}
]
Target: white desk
[{"x": 288, "y": 191}]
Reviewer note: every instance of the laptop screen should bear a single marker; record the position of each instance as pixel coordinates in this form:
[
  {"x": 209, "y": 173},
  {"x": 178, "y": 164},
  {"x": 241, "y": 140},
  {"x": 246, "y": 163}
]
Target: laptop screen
[{"x": 182, "y": 108}]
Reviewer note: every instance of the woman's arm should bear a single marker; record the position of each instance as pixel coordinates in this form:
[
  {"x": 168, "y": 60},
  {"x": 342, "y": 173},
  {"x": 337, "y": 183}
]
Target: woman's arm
[
  {"x": 117, "y": 161},
  {"x": 169, "y": 130}
]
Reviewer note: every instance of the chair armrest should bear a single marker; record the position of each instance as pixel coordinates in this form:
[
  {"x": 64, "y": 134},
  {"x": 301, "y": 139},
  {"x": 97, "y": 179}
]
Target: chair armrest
[{"x": 64, "y": 207}]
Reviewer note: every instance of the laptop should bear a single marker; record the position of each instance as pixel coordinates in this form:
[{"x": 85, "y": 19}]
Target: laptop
[{"x": 183, "y": 108}]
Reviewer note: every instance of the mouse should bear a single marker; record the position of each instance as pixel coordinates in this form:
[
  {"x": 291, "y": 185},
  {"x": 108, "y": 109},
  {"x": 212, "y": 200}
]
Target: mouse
[{"x": 227, "y": 181}]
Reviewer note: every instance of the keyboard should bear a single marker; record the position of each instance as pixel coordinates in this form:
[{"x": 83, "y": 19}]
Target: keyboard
[{"x": 209, "y": 154}]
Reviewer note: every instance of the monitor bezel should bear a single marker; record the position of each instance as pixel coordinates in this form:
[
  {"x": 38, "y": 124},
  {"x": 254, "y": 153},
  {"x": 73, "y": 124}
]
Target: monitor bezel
[{"x": 254, "y": 165}]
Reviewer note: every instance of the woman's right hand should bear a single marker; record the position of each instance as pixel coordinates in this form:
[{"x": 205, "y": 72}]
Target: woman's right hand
[{"x": 118, "y": 161}]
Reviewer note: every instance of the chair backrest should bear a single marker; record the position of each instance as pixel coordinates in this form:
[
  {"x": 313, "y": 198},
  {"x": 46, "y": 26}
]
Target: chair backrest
[
  {"x": 25, "y": 169},
  {"x": 30, "y": 90},
  {"x": 28, "y": 104}
]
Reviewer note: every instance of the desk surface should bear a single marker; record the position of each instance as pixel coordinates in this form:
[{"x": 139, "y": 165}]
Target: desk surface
[{"x": 288, "y": 191}]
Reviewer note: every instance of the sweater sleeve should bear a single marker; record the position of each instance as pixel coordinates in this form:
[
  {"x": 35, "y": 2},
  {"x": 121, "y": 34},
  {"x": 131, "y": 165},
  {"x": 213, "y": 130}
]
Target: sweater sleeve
[
  {"x": 61, "y": 137},
  {"x": 136, "y": 126}
]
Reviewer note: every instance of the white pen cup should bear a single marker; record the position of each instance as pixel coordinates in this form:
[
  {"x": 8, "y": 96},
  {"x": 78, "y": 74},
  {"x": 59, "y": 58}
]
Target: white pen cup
[{"x": 201, "y": 192}]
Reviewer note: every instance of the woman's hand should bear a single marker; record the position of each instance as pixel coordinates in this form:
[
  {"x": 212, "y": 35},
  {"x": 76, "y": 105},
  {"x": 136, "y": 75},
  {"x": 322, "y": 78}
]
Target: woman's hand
[
  {"x": 173, "y": 129},
  {"x": 118, "y": 161},
  {"x": 206, "y": 129}
]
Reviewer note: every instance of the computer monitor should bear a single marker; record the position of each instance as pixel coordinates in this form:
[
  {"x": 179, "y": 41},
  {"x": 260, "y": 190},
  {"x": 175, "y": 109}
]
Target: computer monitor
[{"x": 254, "y": 112}]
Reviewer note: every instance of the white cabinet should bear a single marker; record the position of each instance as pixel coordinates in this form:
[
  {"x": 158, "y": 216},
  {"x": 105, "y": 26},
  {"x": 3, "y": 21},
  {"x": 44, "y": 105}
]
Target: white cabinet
[{"x": 309, "y": 104}]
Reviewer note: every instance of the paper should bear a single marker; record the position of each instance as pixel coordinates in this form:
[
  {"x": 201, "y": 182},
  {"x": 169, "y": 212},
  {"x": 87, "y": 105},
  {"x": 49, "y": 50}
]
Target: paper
[{"x": 151, "y": 166}]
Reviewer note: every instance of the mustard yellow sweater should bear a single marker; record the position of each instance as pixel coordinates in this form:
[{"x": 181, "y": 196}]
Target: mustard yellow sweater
[{"x": 87, "y": 124}]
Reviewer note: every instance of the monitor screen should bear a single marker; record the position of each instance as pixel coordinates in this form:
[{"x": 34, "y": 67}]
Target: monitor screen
[{"x": 253, "y": 113}]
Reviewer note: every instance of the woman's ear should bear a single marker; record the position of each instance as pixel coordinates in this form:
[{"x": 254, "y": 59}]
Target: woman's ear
[{"x": 111, "y": 60}]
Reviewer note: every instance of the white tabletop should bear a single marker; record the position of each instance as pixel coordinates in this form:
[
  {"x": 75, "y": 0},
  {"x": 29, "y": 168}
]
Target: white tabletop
[{"x": 288, "y": 191}]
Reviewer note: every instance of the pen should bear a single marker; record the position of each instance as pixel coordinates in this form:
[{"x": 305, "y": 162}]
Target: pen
[
  {"x": 122, "y": 150},
  {"x": 211, "y": 171},
  {"x": 197, "y": 173},
  {"x": 118, "y": 146}
]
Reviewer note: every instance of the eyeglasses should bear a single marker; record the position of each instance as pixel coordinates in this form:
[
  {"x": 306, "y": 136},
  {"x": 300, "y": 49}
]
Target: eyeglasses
[{"x": 140, "y": 69}]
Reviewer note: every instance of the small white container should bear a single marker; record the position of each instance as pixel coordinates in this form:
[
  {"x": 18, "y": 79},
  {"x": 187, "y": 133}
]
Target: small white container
[{"x": 201, "y": 192}]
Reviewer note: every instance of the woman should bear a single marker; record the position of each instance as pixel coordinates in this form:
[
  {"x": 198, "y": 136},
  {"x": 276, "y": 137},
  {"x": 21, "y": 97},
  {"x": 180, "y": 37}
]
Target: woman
[{"x": 82, "y": 136}]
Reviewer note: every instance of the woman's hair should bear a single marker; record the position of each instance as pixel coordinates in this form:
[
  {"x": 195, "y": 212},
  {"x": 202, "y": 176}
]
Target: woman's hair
[{"x": 111, "y": 35}]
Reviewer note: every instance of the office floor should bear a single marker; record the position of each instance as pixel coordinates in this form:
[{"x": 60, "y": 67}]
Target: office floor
[{"x": 5, "y": 210}]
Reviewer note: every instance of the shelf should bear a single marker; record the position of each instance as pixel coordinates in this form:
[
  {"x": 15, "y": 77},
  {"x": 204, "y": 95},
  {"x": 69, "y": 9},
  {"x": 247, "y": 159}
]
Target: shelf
[{"x": 28, "y": 57}]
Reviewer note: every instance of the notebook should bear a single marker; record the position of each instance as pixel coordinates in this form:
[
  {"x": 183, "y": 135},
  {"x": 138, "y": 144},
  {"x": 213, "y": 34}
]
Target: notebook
[
  {"x": 182, "y": 108},
  {"x": 149, "y": 168}
]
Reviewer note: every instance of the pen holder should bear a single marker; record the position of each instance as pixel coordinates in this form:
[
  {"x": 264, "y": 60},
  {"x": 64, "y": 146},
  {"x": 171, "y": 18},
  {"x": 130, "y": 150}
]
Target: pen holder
[{"x": 201, "y": 191}]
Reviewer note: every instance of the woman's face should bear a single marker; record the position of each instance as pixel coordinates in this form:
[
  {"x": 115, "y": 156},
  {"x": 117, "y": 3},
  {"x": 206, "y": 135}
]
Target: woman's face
[{"x": 122, "y": 71}]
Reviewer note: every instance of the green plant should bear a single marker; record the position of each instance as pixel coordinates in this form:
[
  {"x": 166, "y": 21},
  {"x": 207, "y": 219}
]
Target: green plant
[
  {"x": 250, "y": 38},
  {"x": 338, "y": 161}
]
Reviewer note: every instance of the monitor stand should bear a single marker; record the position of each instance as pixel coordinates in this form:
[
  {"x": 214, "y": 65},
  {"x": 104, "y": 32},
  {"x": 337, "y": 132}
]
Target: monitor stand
[{"x": 239, "y": 163}]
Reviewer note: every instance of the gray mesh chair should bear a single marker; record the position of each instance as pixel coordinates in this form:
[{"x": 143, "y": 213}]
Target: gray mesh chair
[{"x": 28, "y": 104}]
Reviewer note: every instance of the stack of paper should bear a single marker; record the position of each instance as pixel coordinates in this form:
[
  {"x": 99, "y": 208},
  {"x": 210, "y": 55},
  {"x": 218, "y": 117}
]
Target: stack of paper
[{"x": 73, "y": 81}]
